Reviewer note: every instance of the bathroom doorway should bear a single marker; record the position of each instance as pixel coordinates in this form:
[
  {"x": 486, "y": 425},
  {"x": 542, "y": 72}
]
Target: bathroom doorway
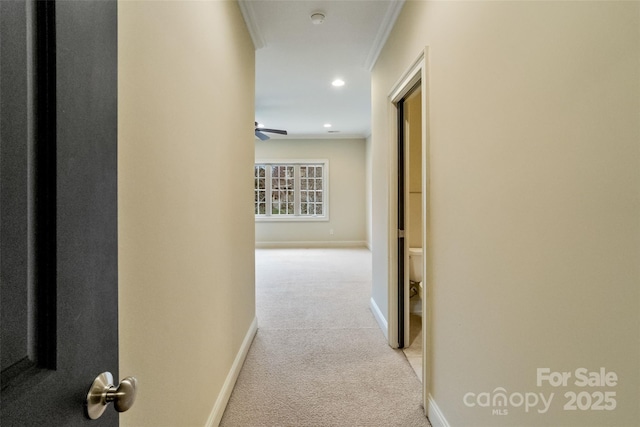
[
  {"x": 409, "y": 220},
  {"x": 410, "y": 260},
  {"x": 411, "y": 214}
]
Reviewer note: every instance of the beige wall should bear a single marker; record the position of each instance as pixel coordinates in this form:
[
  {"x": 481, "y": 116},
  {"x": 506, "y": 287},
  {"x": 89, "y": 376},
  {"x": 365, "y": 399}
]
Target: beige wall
[
  {"x": 368, "y": 189},
  {"x": 186, "y": 97},
  {"x": 347, "y": 193},
  {"x": 535, "y": 197},
  {"x": 413, "y": 163}
]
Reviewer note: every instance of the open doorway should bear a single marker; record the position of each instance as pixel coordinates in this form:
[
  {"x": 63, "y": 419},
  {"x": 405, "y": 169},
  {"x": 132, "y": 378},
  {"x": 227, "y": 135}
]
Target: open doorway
[
  {"x": 409, "y": 255},
  {"x": 409, "y": 164},
  {"x": 410, "y": 214}
]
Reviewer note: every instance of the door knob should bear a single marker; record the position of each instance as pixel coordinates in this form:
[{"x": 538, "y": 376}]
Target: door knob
[{"x": 103, "y": 392}]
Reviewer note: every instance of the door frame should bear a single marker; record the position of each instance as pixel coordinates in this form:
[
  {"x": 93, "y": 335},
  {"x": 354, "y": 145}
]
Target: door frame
[{"x": 417, "y": 73}]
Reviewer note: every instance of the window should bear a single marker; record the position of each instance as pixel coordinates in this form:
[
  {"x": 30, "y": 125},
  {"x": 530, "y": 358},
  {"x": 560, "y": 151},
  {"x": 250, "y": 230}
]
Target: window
[{"x": 291, "y": 190}]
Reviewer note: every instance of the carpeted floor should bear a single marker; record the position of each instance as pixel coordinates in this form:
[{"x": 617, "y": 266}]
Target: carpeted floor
[{"x": 319, "y": 357}]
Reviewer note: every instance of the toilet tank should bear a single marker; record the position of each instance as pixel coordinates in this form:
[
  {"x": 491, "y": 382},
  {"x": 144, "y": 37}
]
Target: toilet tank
[{"x": 415, "y": 264}]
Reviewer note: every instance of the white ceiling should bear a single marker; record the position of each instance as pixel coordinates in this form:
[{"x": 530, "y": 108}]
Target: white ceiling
[{"x": 296, "y": 61}]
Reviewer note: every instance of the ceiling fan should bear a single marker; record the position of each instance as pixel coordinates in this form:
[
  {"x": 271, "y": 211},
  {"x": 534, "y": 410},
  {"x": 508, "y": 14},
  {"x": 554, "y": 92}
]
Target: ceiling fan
[{"x": 262, "y": 136}]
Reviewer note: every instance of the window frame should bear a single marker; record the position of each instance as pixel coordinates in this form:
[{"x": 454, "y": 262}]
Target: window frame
[{"x": 296, "y": 217}]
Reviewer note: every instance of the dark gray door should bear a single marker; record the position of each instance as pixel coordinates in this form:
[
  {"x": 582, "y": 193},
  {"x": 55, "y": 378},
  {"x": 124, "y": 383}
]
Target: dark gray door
[
  {"x": 58, "y": 208},
  {"x": 401, "y": 220}
]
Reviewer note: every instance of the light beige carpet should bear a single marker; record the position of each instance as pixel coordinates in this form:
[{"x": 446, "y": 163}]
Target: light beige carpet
[{"x": 319, "y": 357}]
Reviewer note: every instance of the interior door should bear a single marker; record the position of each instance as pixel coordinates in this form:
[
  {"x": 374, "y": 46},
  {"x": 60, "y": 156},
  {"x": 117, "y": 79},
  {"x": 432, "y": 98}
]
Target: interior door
[
  {"x": 58, "y": 208},
  {"x": 401, "y": 226}
]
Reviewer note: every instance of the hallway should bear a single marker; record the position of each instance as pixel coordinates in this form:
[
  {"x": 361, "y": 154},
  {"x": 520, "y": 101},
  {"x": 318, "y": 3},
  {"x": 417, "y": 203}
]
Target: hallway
[{"x": 319, "y": 357}]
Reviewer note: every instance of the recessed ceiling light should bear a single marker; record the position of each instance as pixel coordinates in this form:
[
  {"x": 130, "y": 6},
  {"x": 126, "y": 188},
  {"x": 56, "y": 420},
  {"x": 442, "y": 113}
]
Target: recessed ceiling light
[
  {"x": 327, "y": 125},
  {"x": 338, "y": 82}
]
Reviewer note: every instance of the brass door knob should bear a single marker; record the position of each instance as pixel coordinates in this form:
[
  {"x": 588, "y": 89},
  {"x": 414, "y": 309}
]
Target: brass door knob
[{"x": 103, "y": 392}]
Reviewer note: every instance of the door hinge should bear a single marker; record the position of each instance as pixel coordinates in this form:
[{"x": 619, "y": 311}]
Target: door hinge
[{"x": 400, "y": 234}]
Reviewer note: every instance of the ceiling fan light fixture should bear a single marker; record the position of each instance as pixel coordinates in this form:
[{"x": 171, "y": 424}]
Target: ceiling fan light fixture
[{"x": 317, "y": 18}]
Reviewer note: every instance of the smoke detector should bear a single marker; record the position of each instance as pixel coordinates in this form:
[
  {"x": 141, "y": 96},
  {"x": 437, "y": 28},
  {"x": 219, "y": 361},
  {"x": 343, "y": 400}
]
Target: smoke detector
[{"x": 317, "y": 18}]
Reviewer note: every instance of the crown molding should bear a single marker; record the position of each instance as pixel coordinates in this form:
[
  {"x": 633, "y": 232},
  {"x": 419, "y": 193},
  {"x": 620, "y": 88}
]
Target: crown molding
[
  {"x": 389, "y": 20},
  {"x": 249, "y": 15}
]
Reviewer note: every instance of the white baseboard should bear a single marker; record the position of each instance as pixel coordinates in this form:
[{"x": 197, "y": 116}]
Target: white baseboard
[
  {"x": 312, "y": 244},
  {"x": 435, "y": 415},
  {"x": 223, "y": 398},
  {"x": 382, "y": 322}
]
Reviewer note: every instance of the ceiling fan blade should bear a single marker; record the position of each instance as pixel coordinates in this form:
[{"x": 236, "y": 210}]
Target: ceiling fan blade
[
  {"x": 278, "y": 131},
  {"x": 260, "y": 132},
  {"x": 261, "y": 135}
]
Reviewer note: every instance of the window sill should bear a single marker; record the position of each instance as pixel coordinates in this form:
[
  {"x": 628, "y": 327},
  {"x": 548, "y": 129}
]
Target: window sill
[{"x": 292, "y": 219}]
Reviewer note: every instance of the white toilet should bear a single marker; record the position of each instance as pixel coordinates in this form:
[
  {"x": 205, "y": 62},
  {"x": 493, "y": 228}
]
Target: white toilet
[{"x": 415, "y": 275}]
